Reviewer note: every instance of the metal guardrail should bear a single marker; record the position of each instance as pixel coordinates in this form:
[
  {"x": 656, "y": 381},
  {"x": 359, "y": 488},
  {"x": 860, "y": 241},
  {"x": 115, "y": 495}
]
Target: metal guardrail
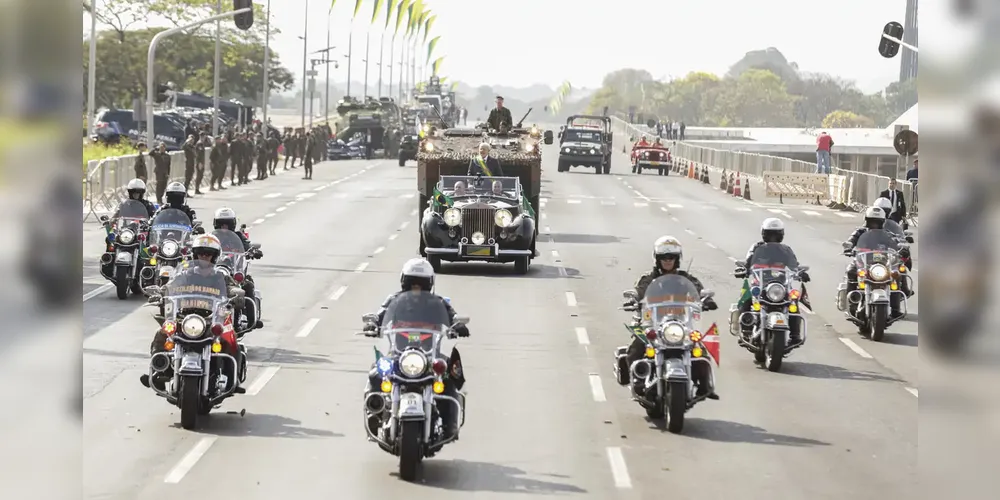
[
  {"x": 104, "y": 184},
  {"x": 848, "y": 189}
]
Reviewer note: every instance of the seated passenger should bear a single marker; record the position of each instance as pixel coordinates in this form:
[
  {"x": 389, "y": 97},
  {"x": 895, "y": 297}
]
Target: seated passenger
[
  {"x": 642, "y": 142},
  {"x": 460, "y": 189},
  {"x": 497, "y": 188}
]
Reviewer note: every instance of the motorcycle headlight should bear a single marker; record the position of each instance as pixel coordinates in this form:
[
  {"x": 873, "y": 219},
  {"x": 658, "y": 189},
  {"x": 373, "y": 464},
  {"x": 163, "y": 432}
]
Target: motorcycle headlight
[
  {"x": 878, "y": 272},
  {"x": 503, "y": 218},
  {"x": 453, "y": 217},
  {"x": 126, "y": 236},
  {"x": 775, "y": 292},
  {"x": 673, "y": 333},
  {"x": 169, "y": 249},
  {"x": 412, "y": 364},
  {"x": 193, "y": 326}
]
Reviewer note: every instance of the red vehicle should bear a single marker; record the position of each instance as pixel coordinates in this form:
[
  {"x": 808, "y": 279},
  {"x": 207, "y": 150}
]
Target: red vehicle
[{"x": 652, "y": 156}]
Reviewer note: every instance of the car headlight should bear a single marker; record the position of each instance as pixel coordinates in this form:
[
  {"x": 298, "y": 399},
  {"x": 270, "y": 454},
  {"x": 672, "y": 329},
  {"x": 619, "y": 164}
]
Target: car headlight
[
  {"x": 429, "y": 147},
  {"x": 878, "y": 272},
  {"x": 529, "y": 148},
  {"x": 503, "y": 218},
  {"x": 775, "y": 292},
  {"x": 126, "y": 236},
  {"x": 169, "y": 249},
  {"x": 593, "y": 152},
  {"x": 534, "y": 130},
  {"x": 565, "y": 150},
  {"x": 193, "y": 326},
  {"x": 412, "y": 364},
  {"x": 673, "y": 333},
  {"x": 478, "y": 238},
  {"x": 453, "y": 217}
]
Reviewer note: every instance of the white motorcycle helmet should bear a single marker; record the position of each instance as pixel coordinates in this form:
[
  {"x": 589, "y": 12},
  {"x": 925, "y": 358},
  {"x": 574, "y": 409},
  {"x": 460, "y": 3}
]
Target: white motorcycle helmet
[
  {"x": 417, "y": 271},
  {"x": 227, "y": 216},
  {"x": 884, "y": 204},
  {"x": 667, "y": 247},
  {"x": 136, "y": 186},
  {"x": 772, "y": 230}
]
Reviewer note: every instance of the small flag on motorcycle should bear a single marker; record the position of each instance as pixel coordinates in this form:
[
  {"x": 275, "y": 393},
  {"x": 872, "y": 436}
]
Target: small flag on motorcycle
[
  {"x": 712, "y": 345},
  {"x": 744, "y": 293}
]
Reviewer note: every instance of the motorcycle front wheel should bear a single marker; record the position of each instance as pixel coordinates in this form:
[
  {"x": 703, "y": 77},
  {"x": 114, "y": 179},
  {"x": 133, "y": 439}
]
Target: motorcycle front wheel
[
  {"x": 190, "y": 401},
  {"x": 676, "y": 405},
  {"x": 410, "y": 453}
]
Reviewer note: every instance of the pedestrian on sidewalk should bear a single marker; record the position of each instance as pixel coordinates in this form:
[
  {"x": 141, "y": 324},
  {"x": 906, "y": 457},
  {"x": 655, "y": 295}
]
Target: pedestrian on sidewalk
[{"x": 824, "y": 143}]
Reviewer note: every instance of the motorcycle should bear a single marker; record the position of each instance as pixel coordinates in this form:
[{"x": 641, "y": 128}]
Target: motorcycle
[
  {"x": 208, "y": 363},
  {"x": 169, "y": 235},
  {"x": 902, "y": 236},
  {"x": 777, "y": 327},
  {"x": 126, "y": 257},
  {"x": 402, "y": 414},
  {"x": 676, "y": 372},
  {"x": 880, "y": 270},
  {"x": 234, "y": 261}
]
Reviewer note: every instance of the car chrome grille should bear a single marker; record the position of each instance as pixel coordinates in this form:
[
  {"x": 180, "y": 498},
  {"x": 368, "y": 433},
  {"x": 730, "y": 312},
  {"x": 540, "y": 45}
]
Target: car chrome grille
[{"x": 478, "y": 219}]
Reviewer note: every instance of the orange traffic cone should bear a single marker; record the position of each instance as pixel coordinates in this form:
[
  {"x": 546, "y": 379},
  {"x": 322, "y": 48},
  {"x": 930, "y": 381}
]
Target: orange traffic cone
[
  {"x": 737, "y": 190},
  {"x": 690, "y": 170}
]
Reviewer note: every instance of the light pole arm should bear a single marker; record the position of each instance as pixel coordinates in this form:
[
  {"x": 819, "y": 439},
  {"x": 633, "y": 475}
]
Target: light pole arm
[
  {"x": 151, "y": 57},
  {"x": 904, "y": 44}
]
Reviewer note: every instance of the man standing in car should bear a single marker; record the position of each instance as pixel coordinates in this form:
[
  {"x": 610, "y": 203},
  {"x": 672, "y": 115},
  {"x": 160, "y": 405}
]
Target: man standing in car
[{"x": 500, "y": 116}]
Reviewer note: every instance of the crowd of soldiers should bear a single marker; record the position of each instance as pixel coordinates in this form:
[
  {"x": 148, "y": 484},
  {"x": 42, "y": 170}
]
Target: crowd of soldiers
[{"x": 237, "y": 149}]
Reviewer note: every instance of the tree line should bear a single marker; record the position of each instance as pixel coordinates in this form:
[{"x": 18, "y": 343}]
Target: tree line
[{"x": 761, "y": 90}]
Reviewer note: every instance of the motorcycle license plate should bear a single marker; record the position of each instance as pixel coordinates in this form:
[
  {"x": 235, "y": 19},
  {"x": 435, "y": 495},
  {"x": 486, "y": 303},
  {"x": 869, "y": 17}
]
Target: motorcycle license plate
[
  {"x": 123, "y": 257},
  {"x": 191, "y": 361},
  {"x": 411, "y": 404}
]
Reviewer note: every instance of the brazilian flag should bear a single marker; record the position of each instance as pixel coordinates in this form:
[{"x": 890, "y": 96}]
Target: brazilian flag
[
  {"x": 526, "y": 207},
  {"x": 744, "y": 294},
  {"x": 441, "y": 198}
]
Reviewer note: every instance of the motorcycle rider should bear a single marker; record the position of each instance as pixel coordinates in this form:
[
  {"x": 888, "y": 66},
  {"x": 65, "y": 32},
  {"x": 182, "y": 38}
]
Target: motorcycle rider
[
  {"x": 205, "y": 248},
  {"x": 418, "y": 275},
  {"x": 225, "y": 218},
  {"x": 772, "y": 230},
  {"x": 667, "y": 253},
  {"x": 175, "y": 195},
  {"x": 136, "y": 192},
  {"x": 874, "y": 219}
]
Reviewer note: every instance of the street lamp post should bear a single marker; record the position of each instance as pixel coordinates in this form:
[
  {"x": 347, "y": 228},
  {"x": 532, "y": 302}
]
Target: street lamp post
[
  {"x": 326, "y": 93},
  {"x": 265, "y": 95},
  {"x": 305, "y": 48},
  {"x": 92, "y": 69}
]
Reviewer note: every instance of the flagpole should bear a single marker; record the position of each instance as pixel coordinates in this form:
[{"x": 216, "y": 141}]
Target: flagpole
[
  {"x": 381, "y": 52},
  {"x": 350, "y": 48},
  {"x": 392, "y": 53}
]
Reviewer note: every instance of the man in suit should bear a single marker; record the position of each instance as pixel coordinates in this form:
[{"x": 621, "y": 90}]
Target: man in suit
[
  {"x": 895, "y": 196},
  {"x": 484, "y": 164},
  {"x": 500, "y": 117}
]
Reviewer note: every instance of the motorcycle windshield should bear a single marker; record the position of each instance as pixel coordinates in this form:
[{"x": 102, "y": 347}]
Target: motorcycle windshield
[
  {"x": 170, "y": 224},
  {"x": 772, "y": 262},
  {"x": 892, "y": 227},
  {"x": 876, "y": 246},
  {"x": 415, "y": 320},
  {"x": 233, "y": 255},
  {"x": 671, "y": 297},
  {"x": 196, "y": 286},
  {"x": 132, "y": 209}
]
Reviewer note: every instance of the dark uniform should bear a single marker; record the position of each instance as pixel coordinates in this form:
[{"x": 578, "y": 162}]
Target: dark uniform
[
  {"x": 161, "y": 170},
  {"x": 199, "y": 161},
  {"x": 500, "y": 117},
  {"x": 307, "y": 155},
  {"x": 140, "y": 166},
  {"x": 218, "y": 159},
  {"x": 260, "y": 149},
  {"x": 190, "y": 156}
]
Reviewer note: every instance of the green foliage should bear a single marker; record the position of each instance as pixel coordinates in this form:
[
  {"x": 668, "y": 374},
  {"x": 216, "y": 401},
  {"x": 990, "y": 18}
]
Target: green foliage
[
  {"x": 97, "y": 151},
  {"x": 762, "y": 89},
  {"x": 185, "y": 58}
]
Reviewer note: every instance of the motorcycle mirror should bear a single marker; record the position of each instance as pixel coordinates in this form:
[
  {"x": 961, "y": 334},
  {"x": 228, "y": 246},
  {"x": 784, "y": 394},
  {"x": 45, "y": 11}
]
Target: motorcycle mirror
[
  {"x": 706, "y": 293},
  {"x": 908, "y": 233},
  {"x": 909, "y": 239},
  {"x": 461, "y": 320},
  {"x": 151, "y": 290},
  {"x": 846, "y": 244},
  {"x": 103, "y": 218},
  {"x": 255, "y": 246},
  {"x": 803, "y": 268},
  {"x": 243, "y": 227},
  {"x": 199, "y": 230},
  {"x": 369, "y": 318},
  {"x": 629, "y": 294}
]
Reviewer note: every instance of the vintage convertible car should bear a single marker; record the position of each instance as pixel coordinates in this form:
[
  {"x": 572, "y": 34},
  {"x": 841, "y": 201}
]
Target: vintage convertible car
[
  {"x": 651, "y": 157},
  {"x": 485, "y": 219}
]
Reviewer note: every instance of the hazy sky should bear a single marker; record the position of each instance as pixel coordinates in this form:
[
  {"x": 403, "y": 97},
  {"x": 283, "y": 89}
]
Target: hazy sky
[{"x": 522, "y": 42}]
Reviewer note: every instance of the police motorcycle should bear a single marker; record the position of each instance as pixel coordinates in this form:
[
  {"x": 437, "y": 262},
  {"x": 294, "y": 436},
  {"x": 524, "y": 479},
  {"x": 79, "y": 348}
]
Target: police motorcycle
[
  {"x": 880, "y": 270},
  {"x": 402, "y": 414},
  {"x": 201, "y": 348},
  {"x": 126, "y": 257},
  {"x": 902, "y": 236},
  {"x": 775, "y": 288},
  {"x": 169, "y": 238},
  {"x": 677, "y": 367},
  {"x": 235, "y": 261}
]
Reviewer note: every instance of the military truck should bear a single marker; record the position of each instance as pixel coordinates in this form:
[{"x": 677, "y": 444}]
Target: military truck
[{"x": 449, "y": 151}]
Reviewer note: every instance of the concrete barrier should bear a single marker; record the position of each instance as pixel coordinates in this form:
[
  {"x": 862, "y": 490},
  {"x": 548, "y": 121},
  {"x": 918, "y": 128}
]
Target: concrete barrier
[{"x": 796, "y": 185}]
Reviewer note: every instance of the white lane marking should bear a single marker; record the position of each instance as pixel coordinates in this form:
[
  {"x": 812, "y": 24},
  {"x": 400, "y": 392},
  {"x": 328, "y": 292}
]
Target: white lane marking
[
  {"x": 674, "y": 219},
  {"x": 272, "y": 195},
  {"x": 320, "y": 188},
  {"x": 856, "y": 348},
  {"x": 609, "y": 203},
  {"x": 290, "y": 203},
  {"x": 743, "y": 209},
  {"x": 734, "y": 259},
  {"x": 361, "y": 267},
  {"x": 786, "y": 215},
  {"x": 262, "y": 380},
  {"x": 555, "y": 254},
  {"x": 618, "y": 178},
  {"x": 305, "y": 195},
  {"x": 405, "y": 196},
  {"x": 403, "y": 225},
  {"x": 94, "y": 293},
  {"x": 270, "y": 215},
  {"x": 846, "y": 215},
  {"x": 281, "y": 209},
  {"x": 307, "y": 328},
  {"x": 188, "y": 462},
  {"x": 912, "y": 391},
  {"x": 413, "y": 212},
  {"x": 548, "y": 230},
  {"x": 688, "y": 231},
  {"x": 710, "y": 245},
  {"x": 641, "y": 204},
  {"x": 378, "y": 250},
  {"x": 258, "y": 221},
  {"x": 393, "y": 236},
  {"x": 641, "y": 196},
  {"x": 618, "y": 468},
  {"x": 674, "y": 205},
  {"x": 571, "y": 299},
  {"x": 581, "y": 336},
  {"x": 663, "y": 209},
  {"x": 597, "y": 388},
  {"x": 544, "y": 200},
  {"x": 776, "y": 210},
  {"x": 810, "y": 212},
  {"x": 545, "y": 216},
  {"x": 338, "y": 293},
  {"x": 573, "y": 202}
]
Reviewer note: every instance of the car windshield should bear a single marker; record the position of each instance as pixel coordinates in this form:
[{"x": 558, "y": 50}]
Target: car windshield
[
  {"x": 571, "y": 135},
  {"x": 415, "y": 320},
  {"x": 464, "y": 185},
  {"x": 671, "y": 297},
  {"x": 772, "y": 262}
]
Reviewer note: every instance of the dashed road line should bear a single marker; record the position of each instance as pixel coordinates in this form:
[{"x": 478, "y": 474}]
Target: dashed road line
[
  {"x": 94, "y": 293},
  {"x": 571, "y": 299},
  {"x": 403, "y": 225},
  {"x": 846, "y": 215},
  {"x": 258, "y": 221},
  {"x": 268, "y": 216},
  {"x": 361, "y": 267},
  {"x": 190, "y": 460},
  {"x": 393, "y": 236},
  {"x": 555, "y": 254},
  {"x": 281, "y": 209},
  {"x": 573, "y": 202},
  {"x": 912, "y": 391},
  {"x": 272, "y": 195},
  {"x": 641, "y": 204},
  {"x": 338, "y": 293},
  {"x": 262, "y": 380},
  {"x": 709, "y": 245},
  {"x": 618, "y": 468},
  {"x": 855, "y": 347},
  {"x": 688, "y": 231},
  {"x": 378, "y": 250},
  {"x": 597, "y": 388},
  {"x": 581, "y": 336},
  {"x": 810, "y": 212},
  {"x": 307, "y": 328}
]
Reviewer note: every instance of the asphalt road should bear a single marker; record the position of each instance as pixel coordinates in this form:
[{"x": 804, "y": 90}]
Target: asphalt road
[{"x": 545, "y": 415}]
